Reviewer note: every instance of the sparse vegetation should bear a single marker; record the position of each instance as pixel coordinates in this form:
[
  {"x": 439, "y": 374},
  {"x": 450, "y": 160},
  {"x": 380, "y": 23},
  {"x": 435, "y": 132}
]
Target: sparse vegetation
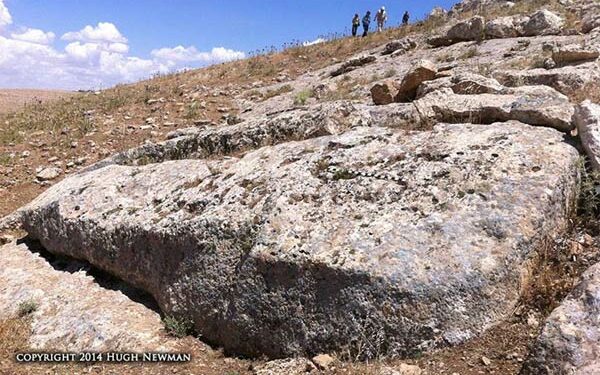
[
  {"x": 26, "y": 307},
  {"x": 5, "y": 159},
  {"x": 279, "y": 91},
  {"x": 469, "y": 53},
  {"x": 342, "y": 174},
  {"x": 178, "y": 327},
  {"x": 302, "y": 97},
  {"x": 589, "y": 197},
  {"x": 191, "y": 111}
]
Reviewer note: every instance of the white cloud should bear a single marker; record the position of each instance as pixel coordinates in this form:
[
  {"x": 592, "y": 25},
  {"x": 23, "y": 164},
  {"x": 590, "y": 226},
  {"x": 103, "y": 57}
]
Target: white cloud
[
  {"x": 103, "y": 32},
  {"x": 5, "y": 18},
  {"x": 316, "y": 41},
  {"x": 181, "y": 54},
  {"x": 95, "y": 57},
  {"x": 34, "y": 36},
  {"x": 90, "y": 51}
]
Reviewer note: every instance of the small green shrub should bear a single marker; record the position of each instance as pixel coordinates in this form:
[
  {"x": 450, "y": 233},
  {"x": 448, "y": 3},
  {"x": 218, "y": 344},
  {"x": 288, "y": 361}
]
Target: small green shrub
[
  {"x": 26, "y": 307},
  {"x": 342, "y": 174},
  {"x": 302, "y": 97},
  {"x": 178, "y": 327}
]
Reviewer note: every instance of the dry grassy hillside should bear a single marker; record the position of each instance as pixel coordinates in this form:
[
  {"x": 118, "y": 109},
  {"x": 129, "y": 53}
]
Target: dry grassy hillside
[
  {"x": 71, "y": 131},
  {"x": 80, "y": 129},
  {"x": 12, "y": 100}
]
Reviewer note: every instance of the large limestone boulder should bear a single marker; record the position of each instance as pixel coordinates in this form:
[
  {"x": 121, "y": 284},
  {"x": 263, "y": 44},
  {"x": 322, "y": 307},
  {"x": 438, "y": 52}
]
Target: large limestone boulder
[
  {"x": 465, "y": 83},
  {"x": 534, "y": 106},
  {"x": 574, "y": 53},
  {"x": 412, "y": 239},
  {"x": 570, "y": 340},
  {"x": 587, "y": 120},
  {"x": 384, "y": 92},
  {"x": 463, "y": 31},
  {"x": 472, "y": 84},
  {"x": 422, "y": 70},
  {"x": 504, "y": 27},
  {"x": 543, "y": 22},
  {"x": 569, "y": 80},
  {"x": 471, "y": 29}
]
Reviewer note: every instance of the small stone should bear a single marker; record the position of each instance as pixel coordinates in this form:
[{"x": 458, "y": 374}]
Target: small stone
[
  {"x": 532, "y": 321},
  {"x": 47, "y": 174},
  {"x": 323, "y": 361},
  {"x": 406, "y": 369},
  {"x": 486, "y": 361},
  {"x": 549, "y": 63}
]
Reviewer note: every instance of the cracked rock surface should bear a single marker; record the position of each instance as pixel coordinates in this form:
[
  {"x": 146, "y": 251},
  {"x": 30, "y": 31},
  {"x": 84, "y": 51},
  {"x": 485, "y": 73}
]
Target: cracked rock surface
[{"x": 272, "y": 253}]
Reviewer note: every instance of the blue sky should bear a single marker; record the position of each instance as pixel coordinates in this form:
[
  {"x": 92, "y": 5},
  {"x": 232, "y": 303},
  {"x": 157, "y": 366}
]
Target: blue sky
[{"x": 144, "y": 27}]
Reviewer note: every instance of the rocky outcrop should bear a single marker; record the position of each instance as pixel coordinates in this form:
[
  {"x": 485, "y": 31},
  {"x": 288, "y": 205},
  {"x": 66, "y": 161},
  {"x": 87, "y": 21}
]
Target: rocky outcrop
[
  {"x": 463, "y": 31},
  {"x": 384, "y": 92},
  {"x": 478, "y": 5},
  {"x": 590, "y": 17},
  {"x": 423, "y": 70},
  {"x": 289, "y": 366},
  {"x": 49, "y": 173},
  {"x": 194, "y": 143},
  {"x": 574, "y": 53},
  {"x": 291, "y": 249},
  {"x": 473, "y": 84},
  {"x": 587, "y": 120},
  {"x": 463, "y": 83},
  {"x": 471, "y": 29},
  {"x": 537, "y": 106},
  {"x": 351, "y": 65},
  {"x": 505, "y": 27},
  {"x": 72, "y": 312},
  {"x": 569, "y": 342},
  {"x": 543, "y": 22},
  {"x": 569, "y": 80},
  {"x": 399, "y": 47}
]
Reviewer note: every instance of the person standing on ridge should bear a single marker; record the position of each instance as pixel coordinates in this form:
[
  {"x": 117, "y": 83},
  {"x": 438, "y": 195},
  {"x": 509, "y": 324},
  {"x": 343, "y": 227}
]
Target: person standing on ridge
[
  {"x": 381, "y": 17},
  {"x": 355, "y": 24},
  {"x": 405, "y": 18},
  {"x": 366, "y": 21}
]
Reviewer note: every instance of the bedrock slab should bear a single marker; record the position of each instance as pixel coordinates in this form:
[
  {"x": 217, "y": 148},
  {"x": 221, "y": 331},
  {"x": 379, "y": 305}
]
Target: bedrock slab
[
  {"x": 73, "y": 312},
  {"x": 392, "y": 241},
  {"x": 570, "y": 340}
]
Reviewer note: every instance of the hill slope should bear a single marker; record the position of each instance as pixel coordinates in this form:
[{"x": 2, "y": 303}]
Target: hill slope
[{"x": 411, "y": 194}]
